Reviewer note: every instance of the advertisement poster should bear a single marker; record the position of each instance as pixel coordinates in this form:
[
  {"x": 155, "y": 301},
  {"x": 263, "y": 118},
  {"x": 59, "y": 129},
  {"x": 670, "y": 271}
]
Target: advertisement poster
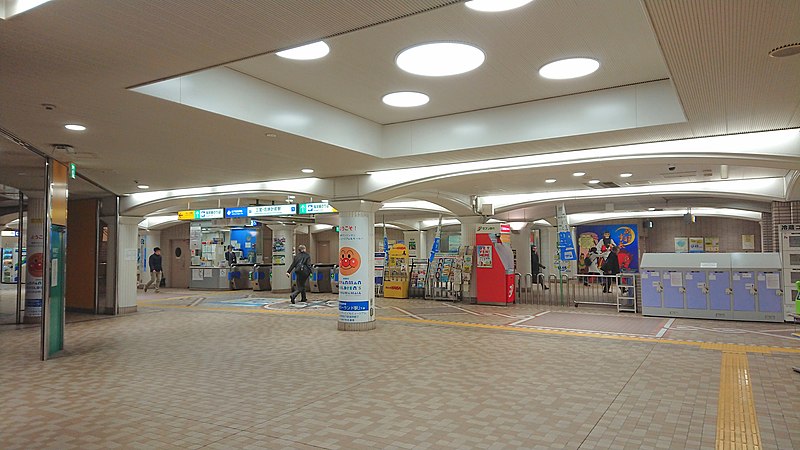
[
  {"x": 748, "y": 242},
  {"x": 602, "y": 237},
  {"x": 355, "y": 287},
  {"x": 696, "y": 245},
  {"x": 453, "y": 243},
  {"x": 412, "y": 247},
  {"x": 712, "y": 244},
  {"x": 279, "y": 245},
  {"x": 34, "y": 281},
  {"x": 566, "y": 246},
  {"x": 485, "y": 256},
  {"x": 681, "y": 245}
]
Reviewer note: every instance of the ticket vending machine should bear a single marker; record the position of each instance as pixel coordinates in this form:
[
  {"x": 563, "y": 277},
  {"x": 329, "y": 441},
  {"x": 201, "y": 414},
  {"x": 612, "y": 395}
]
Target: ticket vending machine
[{"x": 494, "y": 268}]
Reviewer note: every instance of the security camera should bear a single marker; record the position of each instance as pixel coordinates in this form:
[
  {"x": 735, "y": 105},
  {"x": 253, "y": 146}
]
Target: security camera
[{"x": 671, "y": 168}]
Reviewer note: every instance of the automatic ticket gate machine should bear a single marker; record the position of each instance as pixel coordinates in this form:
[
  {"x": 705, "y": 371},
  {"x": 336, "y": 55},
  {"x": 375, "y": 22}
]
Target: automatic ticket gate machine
[
  {"x": 321, "y": 277},
  {"x": 239, "y": 276},
  {"x": 262, "y": 277},
  {"x": 757, "y": 288},
  {"x": 335, "y": 279}
]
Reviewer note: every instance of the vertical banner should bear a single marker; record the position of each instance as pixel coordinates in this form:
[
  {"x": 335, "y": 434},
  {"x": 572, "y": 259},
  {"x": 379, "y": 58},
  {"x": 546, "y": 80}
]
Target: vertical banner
[
  {"x": 34, "y": 282},
  {"x": 355, "y": 286},
  {"x": 566, "y": 246}
]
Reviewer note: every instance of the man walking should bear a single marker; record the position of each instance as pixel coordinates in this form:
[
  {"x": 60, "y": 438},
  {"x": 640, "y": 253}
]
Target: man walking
[
  {"x": 302, "y": 268},
  {"x": 155, "y": 269}
]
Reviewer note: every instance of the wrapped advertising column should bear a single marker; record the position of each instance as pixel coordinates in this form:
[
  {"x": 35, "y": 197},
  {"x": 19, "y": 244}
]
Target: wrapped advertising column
[{"x": 356, "y": 270}]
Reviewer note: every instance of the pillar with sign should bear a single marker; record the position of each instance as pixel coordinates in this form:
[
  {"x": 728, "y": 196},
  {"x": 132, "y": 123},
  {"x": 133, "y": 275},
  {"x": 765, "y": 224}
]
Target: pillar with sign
[
  {"x": 34, "y": 283},
  {"x": 282, "y": 246},
  {"x": 494, "y": 267},
  {"x": 356, "y": 264}
]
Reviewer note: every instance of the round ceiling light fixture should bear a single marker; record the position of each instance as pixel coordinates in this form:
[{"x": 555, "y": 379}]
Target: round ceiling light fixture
[
  {"x": 785, "y": 50},
  {"x": 495, "y": 5},
  {"x": 440, "y": 59},
  {"x": 307, "y": 170},
  {"x": 578, "y": 174},
  {"x": 406, "y": 99},
  {"x": 626, "y": 175},
  {"x": 74, "y": 127},
  {"x": 565, "y": 69},
  {"x": 594, "y": 181},
  {"x": 550, "y": 180},
  {"x": 143, "y": 186},
  {"x": 315, "y": 50}
]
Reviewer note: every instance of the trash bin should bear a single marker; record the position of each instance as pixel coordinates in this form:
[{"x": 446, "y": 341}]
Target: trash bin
[
  {"x": 321, "y": 277},
  {"x": 239, "y": 276},
  {"x": 262, "y": 277}
]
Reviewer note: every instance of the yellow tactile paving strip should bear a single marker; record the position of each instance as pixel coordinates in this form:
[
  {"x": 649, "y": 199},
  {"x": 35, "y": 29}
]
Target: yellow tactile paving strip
[{"x": 737, "y": 425}]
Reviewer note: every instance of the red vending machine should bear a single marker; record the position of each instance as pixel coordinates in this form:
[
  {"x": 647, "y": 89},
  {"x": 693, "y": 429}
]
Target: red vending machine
[{"x": 494, "y": 268}]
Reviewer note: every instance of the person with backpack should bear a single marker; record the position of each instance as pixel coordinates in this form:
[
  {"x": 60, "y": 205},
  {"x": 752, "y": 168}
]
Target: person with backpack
[{"x": 301, "y": 265}]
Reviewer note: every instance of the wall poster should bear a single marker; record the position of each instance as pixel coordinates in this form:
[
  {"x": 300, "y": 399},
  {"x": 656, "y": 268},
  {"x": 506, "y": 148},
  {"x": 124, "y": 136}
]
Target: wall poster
[
  {"x": 682, "y": 244},
  {"x": 602, "y": 237},
  {"x": 696, "y": 245},
  {"x": 485, "y": 256}
]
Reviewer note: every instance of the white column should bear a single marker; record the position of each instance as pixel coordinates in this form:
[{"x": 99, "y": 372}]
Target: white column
[
  {"x": 127, "y": 257},
  {"x": 34, "y": 280},
  {"x": 468, "y": 238},
  {"x": 282, "y": 246},
  {"x": 356, "y": 264},
  {"x": 548, "y": 252}
]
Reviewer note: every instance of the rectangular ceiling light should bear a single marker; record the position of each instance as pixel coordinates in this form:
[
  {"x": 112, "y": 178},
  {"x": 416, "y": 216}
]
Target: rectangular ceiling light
[{"x": 10, "y": 8}]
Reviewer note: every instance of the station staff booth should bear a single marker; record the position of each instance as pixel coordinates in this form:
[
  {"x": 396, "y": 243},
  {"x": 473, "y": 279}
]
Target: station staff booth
[{"x": 728, "y": 286}]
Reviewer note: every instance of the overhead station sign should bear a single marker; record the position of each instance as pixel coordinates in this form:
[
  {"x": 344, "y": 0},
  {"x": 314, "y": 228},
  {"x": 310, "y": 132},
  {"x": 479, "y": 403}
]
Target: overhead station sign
[
  {"x": 316, "y": 208},
  {"x": 201, "y": 214},
  {"x": 231, "y": 213},
  {"x": 271, "y": 210}
]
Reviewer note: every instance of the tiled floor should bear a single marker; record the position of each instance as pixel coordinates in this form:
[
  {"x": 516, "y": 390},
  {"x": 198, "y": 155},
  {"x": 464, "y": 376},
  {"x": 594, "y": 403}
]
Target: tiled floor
[{"x": 214, "y": 370}]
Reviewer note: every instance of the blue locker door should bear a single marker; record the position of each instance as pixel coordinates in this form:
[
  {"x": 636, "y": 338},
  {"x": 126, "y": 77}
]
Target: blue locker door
[
  {"x": 768, "y": 285},
  {"x": 695, "y": 282},
  {"x": 743, "y": 299},
  {"x": 718, "y": 283},
  {"x": 673, "y": 282},
  {"x": 651, "y": 280}
]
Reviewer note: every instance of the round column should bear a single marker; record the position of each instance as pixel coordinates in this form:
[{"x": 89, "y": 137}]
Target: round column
[{"x": 356, "y": 265}]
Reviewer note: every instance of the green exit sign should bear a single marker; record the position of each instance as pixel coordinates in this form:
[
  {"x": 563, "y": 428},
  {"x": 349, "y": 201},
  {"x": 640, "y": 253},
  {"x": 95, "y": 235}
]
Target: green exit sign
[{"x": 73, "y": 170}]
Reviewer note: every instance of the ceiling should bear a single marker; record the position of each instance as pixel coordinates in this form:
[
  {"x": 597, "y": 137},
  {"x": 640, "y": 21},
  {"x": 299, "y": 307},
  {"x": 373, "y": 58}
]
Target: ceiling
[{"x": 714, "y": 53}]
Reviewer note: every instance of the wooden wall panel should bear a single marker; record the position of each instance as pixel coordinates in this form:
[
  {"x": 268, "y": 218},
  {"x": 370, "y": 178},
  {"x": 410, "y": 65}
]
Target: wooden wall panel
[{"x": 81, "y": 249}]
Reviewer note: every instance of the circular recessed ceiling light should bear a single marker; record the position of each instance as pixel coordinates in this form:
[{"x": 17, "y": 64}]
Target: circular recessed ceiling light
[
  {"x": 74, "y": 127},
  {"x": 550, "y": 180},
  {"x": 314, "y": 50},
  {"x": 785, "y": 50},
  {"x": 626, "y": 175},
  {"x": 439, "y": 59},
  {"x": 569, "y": 68},
  {"x": 651, "y": 209},
  {"x": 594, "y": 181},
  {"x": 495, "y": 5},
  {"x": 405, "y": 99},
  {"x": 307, "y": 170},
  {"x": 578, "y": 174},
  {"x": 143, "y": 186}
]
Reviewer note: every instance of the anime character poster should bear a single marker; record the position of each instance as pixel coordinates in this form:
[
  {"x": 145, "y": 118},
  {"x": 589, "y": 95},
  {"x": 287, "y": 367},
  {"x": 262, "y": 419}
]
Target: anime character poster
[{"x": 602, "y": 237}]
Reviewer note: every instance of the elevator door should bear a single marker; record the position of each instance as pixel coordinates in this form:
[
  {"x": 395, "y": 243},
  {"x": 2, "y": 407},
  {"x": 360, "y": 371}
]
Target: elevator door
[{"x": 179, "y": 263}]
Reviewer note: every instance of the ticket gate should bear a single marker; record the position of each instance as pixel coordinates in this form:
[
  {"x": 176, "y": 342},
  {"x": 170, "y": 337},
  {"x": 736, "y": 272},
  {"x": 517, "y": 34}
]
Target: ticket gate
[
  {"x": 239, "y": 276},
  {"x": 335, "y": 279},
  {"x": 262, "y": 277},
  {"x": 321, "y": 277}
]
